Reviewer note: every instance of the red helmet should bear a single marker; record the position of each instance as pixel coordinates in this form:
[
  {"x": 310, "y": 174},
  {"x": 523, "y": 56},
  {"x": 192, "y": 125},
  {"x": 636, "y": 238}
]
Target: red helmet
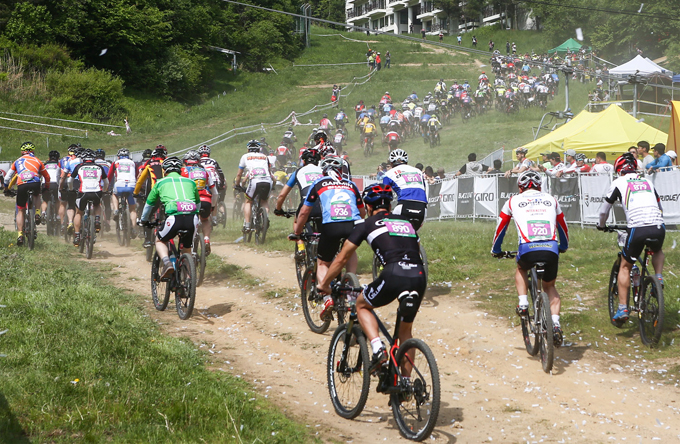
[{"x": 625, "y": 164}]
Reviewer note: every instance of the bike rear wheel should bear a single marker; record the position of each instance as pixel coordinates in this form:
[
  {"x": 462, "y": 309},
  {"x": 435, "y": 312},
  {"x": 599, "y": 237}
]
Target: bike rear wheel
[
  {"x": 348, "y": 377},
  {"x": 652, "y": 311},
  {"x": 199, "y": 253},
  {"x": 83, "y": 234},
  {"x": 185, "y": 292},
  {"x": 312, "y": 303},
  {"x": 52, "y": 223},
  {"x": 377, "y": 267},
  {"x": 529, "y": 328},
  {"x": 30, "y": 227},
  {"x": 416, "y": 408},
  {"x": 545, "y": 330},
  {"x": 262, "y": 225},
  {"x": 89, "y": 239},
  {"x": 160, "y": 291},
  {"x": 613, "y": 293}
]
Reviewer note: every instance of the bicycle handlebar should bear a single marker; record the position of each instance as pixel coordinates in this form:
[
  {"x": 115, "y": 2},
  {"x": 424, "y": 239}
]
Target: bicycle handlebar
[
  {"x": 612, "y": 228},
  {"x": 506, "y": 255}
]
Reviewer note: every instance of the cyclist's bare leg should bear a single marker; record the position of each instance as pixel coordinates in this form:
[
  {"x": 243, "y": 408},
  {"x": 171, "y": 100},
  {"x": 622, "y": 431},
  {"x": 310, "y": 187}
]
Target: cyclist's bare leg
[
  {"x": 555, "y": 301},
  {"x": 62, "y": 210},
  {"x": 657, "y": 261},
  {"x": 133, "y": 213},
  {"x": 43, "y": 207},
  {"x": 36, "y": 201},
  {"x": 366, "y": 319},
  {"x": 77, "y": 219},
  {"x": 624, "y": 280},
  {"x": 247, "y": 209},
  {"x": 162, "y": 249},
  {"x": 352, "y": 263},
  {"x": 20, "y": 219},
  {"x": 321, "y": 269},
  {"x": 521, "y": 281},
  {"x": 206, "y": 226},
  {"x": 114, "y": 202}
]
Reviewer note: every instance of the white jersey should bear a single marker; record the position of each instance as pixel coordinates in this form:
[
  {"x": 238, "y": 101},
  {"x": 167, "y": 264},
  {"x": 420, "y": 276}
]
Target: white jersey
[
  {"x": 418, "y": 112},
  {"x": 602, "y": 168},
  {"x": 552, "y": 172},
  {"x": 272, "y": 160},
  {"x": 257, "y": 166},
  {"x": 305, "y": 177},
  {"x": 338, "y": 138},
  {"x": 638, "y": 198},
  {"x": 535, "y": 214},
  {"x": 53, "y": 170},
  {"x": 570, "y": 168},
  {"x": 126, "y": 173},
  {"x": 407, "y": 182},
  {"x": 542, "y": 89}
]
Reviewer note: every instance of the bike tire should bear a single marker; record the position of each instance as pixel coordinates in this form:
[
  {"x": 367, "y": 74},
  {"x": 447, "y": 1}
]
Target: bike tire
[
  {"x": 199, "y": 252},
  {"x": 348, "y": 379},
  {"x": 222, "y": 214},
  {"x": 50, "y": 217},
  {"x": 423, "y": 398},
  {"x": 83, "y": 232},
  {"x": 613, "y": 294},
  {"x": 545, "y": 327},
  {"x": 31, "y": 232},
  {"x": 376, "y": 266},
  {"x": 67, "y": 235},
  {"x": 185, "y": 292},
  {"x": 312, "y": 303},
  {"x": 148, "y": 235},
  {"x": 160, "y": 291},
  {"x": 119, "y": 229},
  {"x": 127, "y": 235},
  {"x": 529, "y": 327},
  {"x": 89, "y": 244},
  {"x": 263, "y": 223},
  {"x": 652, "y": 311},
  {"x": 300, "y": 264},
  {"x": 341, "y": 305}
]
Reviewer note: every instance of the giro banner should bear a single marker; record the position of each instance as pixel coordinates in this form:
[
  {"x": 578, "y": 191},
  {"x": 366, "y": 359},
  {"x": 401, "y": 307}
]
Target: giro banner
[
  {"x": 486, "y": 202},
  {"x": 465, "y": 207},
  {"x": 448, "y": 198}
]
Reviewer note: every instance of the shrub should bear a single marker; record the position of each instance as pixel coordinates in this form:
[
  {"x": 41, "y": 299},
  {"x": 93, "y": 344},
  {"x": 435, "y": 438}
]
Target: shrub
[
  {"x": 46, "y": 57},
  {"x": 91, "y": 92},
  {"x": 183, "y": 72}
]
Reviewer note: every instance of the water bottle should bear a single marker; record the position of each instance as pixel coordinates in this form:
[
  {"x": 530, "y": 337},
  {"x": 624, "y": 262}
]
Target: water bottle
[
  {"x": 173, "y": 261},
  {"x": 635, "y": 274}
]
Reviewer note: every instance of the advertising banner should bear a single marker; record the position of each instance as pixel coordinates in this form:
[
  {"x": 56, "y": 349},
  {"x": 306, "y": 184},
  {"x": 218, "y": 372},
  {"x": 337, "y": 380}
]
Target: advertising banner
[
  {"x": 465, "y": 207},
  {"x": 667, "y": 184},
  {"x": 593, "y": 189},
  {"x": 485, "y": 196},
  {"x": 566, "y": 191},
  {"x": 433, "y": 199},
  {"x": 448, "y": 198},
  {"x": 507, "y": 187}
]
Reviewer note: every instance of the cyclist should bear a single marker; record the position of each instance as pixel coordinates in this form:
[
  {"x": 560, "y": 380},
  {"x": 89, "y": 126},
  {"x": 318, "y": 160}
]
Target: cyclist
[
  {"x": 369, "y": 130},
  {"x": 359, "y": 108},
  {"x": 289, "y": 138},
  {"x": 339, "y": 140},
  {"x": 407, "y": 182},
  {"x": 28, "y": 169},
  {"x": 100, "y": 159},
  {"x": 179, "y": 196},
  {"x": 341, "y": 120},
  {"x": 341, "y": 207},
  {"x": 395, "y": 242},
  {"x": 207, "y": 190},
  {"x": 53, "y": 169},
  {"x": 433, "y": 126},
  {"x": 644, "y": 219},
  {"x": 304, "y": 178},
  {"x": 90, "y": 180},
  {"x": 125, "y": 172},
  {"x": 214, "y": 169},
  {"x": 261, "y": 180},
  {"x": 151, "y": 172},
  {"x": 68, "y": 197},
  {"x": 539, "y": 221},
  {"x": 392, "y": 138},
  {"x": 325, "y": 123},
  {"x": 283, "y": 155}
]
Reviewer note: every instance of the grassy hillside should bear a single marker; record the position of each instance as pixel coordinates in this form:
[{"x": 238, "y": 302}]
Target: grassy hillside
[{"x": 253, "y": 98}]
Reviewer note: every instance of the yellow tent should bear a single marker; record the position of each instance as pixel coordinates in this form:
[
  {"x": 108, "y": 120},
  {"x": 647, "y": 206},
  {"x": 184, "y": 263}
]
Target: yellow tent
[
  {"x": 673, "y": 142},
  {"x": 612, "y": 131}
]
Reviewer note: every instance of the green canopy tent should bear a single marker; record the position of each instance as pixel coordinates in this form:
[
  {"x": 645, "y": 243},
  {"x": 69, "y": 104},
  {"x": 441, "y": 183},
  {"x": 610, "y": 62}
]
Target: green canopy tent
[{"x": 570, "y": 45}]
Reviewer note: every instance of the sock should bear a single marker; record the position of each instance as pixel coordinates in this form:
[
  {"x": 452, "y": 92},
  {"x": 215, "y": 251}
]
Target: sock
[
  {"x": 376, "y": 345},
  {"x": 21, "y": 233},
  {"x": 326, "y": 298},
  {"x": 206, "y": 239},
  {"x": 77, "y": 234},
  {"x": 556, "y": 320},
  {"x": 166, "y": 260},
  {"x": 659, "y": 277},
  {"x": 622, "y": 306},
  {"x": 523, "y": 301},
  {"x": 247, "y": 225}
]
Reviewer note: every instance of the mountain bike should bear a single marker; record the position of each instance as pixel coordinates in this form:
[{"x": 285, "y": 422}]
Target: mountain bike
[
  {"x": 433, "y": 138},
  {"x": 221, "y": 213},
  {"x": 537, "y": 327},
  {"x": 29, "y": 228},
  {"x": 410, "y": 377},
  {"x": 182, "y": 282},
  {"x": 88, "y": 232},
  {"x": 123, "y": 225},
  {"x": 647, "y": 291},
  {"x": 367, "y": 145},
  {"x": 239, "y": 199},
  {"x": 199, "y": 254},
  {"x": 52, "y": 216},
  {"x": 313, "y": 301}
]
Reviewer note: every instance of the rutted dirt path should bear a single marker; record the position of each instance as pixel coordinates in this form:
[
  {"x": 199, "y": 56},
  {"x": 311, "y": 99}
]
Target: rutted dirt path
[{"x": 491, "y": 389}]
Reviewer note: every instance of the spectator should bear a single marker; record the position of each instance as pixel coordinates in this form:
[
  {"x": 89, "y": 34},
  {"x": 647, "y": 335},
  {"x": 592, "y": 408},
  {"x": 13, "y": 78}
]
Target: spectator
[
  {"x": 491, "y": 45},
  {"x": 387, "y": 59},
  {"x": 601, "y": 166},
  {"x": 634, "y": 151},
  {"x": 441, "y": 174},
  {"x": 643, "y": 153},
  {"x": 661, "y": 159},
  {"x": 441, "y": 36},
  {"x": 422, "y": 31},
  {"x": 419, "y": 166},
  {"x": 546, "y": 161},
  {"x": 523, "y": 163},
  {"x": 556, "y": 165},
  {"x": 673, "y": 156},
  {"x": 380, "y": 172},
  {"x": 429, "y": 175},
  {"x": 497, "y": 165},
  {"x": 474, "y": 41},
  {"x": 581, "y": 165},
  {"x": 410, "y": 28},
  {"x": 472, "y": 167},
  {"x": 460, "y": 39},
  {"x": 514, "y": 48},
  {"x": 507, "y": 47},
  {"x": 378, "y": 62},
  {"x": 371, "y": 61},
  {"x": 569, "y": 164}
]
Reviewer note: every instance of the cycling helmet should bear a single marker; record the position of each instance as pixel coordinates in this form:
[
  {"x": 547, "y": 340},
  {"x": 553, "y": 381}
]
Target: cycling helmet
[
  {"x": 521, "y": 150},
  {"x": 311, "y": 155},
  {"x": 529, "y": 179},
  {"x": 580, "y": 156},
  {"x": 79, "y": 151},
  {"x": 339, "y": 130},
  {"x": 253, "y": 146},
  {"x": 262, "y": 140},
  {"x": 204, "y": 151},
  {"x": 162, "y": 148},
  {"x": 320, "y": 137},
  {"x": 398, "y": 156},
  {"x": 625, "y": 164},
  {"x": 172, "y": 165},
  {"x": 72, "y": 149},
  {"x": 192, "y": 157},
  {"x": 272, "y": 152},
  {"x": 290, "y": 128},
  {"x": 325, "y": 116},
  {"x": 54, "y": 155},
  {"x": 331, "y": 165},
  {"x": 146, "y": 154},
  {"x": 327, "y": 150},
  {"x": 88, "y": 155},
  {"x": 377, "y": 195},
  {"x": 27, "y": 147},
  {"x": 123, "y": 153},
  {"x": 100, "y": 154},
  {"x": 387, "y": 93},
  {"x": 159, "y": 153}
]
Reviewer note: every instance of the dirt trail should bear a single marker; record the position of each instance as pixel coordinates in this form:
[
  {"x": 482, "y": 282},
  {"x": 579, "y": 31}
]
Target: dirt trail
[{"x": 491, "y": 389}]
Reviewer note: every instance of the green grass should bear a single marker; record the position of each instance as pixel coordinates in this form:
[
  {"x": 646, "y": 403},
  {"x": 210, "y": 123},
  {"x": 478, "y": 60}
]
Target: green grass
[{"x": 85, "y": 364}]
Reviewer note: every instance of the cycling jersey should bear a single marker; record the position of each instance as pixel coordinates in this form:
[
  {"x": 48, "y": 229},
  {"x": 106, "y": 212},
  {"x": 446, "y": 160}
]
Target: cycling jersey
[
  {"x": 369, "y": 128},
  {"x": 339, "y": 117},
  {"x": 203, "y": 180},
  {"x": 28, "y": 169},
  {"x": 638, "y": 198},
  {"x": 125, "y": 172},
  {"x": 407, "y": 182},
  {"x": 325, "y": 124},
  {"x": 391, "y": 236},
  {"x": 179, "y": 195},
  {"x": 340, "y": 200},
  {"x": 339, "y": 138},
  {"x": 392, "y": 135},
  {"x": 539, "y": 220},
  {"x": 304, "y": 178},
  {"x": 90, "y": 177},
  {"x": 104, "y": 164},
  {"x": 602, "y": 168},
  {"x": 54, "y": 172},
  {"x": 153, "y": 169},
  {"x": 282, "y": 150},
  {"x": 257, "y": 166},
  {"x": 214, "y": 169},
  {"x": 433, "y": 121}
]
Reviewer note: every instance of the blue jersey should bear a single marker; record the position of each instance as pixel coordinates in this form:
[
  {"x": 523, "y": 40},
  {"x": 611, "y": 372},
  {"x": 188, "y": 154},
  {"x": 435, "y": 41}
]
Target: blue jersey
[
  {"x": 407, "y": 182},
  {"x": 340, "y": 200},
  {"x": 424, "y": 118}
]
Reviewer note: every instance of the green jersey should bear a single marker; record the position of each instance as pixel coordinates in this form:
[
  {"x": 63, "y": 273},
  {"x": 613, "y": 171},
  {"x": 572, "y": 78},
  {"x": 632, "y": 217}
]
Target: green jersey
[{"x": 178, "y": 195}]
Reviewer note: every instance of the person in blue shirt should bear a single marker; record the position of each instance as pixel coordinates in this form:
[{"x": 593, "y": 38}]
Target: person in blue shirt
[{"x": 661, "y": 159}]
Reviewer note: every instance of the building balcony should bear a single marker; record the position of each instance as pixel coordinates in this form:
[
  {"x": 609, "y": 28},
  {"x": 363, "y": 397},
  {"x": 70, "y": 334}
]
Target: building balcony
[
  {"x": 369, "y": 9},
  {"x": 428, "y": 10}
]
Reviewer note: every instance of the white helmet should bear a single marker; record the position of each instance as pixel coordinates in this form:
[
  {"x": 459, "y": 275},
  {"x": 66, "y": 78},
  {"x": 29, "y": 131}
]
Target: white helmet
[
  {"x": 398, "y": 156},
  {"x": 529, "y": 179}
]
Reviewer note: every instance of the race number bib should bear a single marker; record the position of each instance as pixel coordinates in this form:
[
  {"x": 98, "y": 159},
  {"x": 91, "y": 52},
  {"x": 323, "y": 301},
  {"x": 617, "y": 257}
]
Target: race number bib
[
  {"x": 401, "y": 228},
  {"x": 341, "y": 211},
  {"x": 259, "y": 172},
  {"x": 125, "y": 168},
  {"x": 311, "y": 177},
  {"x": 186, "y": 207},
  {"x": 636, "y": 186},
  {"x": 27, "y": 176},
  {"x": 539, "y": 228}
]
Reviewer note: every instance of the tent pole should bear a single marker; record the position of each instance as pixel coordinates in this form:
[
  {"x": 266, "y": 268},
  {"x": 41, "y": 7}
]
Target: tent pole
[{"x": 635, "y": 99}]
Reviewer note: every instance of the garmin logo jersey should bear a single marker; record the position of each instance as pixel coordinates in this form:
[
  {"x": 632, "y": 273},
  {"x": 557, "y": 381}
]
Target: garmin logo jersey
[{"x": 340, "y": 200}]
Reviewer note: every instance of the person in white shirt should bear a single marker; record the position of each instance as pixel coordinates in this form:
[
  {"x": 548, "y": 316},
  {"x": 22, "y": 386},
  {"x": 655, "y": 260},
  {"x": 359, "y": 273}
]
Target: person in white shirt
[
  {"x": 601, "y": 166},
  {"x": 257, "y": 166},
  {"x": 523, "y": 163},
  {"x": 643, "y": 153},
  {"x": 556, "y": 163},
  {"x": 569, "y": 164}
]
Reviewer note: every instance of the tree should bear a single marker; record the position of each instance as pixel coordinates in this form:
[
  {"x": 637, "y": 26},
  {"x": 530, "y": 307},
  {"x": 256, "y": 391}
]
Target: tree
[{"x": 451, "y": 8}]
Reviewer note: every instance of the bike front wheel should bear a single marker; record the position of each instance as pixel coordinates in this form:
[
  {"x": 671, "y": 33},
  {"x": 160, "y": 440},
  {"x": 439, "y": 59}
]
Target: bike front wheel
[
  {"x": 312, "y": 303},
  {"x": 545, "y": 330},
  {"x": 160, "y": 290},
  {"x": 613, "y": 293},
  {"x": 199, "y": 255},
  {"x": 416, "y": 406},
  {"x": 347, "y": 371},
  {"x": 651, "y": 311},
  {"x": 185, "y": 292}
]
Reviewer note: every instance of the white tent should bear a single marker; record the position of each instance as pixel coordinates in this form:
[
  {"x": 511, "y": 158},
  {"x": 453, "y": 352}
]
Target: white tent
[{"x": 644, "y": 65}]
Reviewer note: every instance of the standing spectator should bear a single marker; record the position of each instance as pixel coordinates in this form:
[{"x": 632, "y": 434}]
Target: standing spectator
[
  {"x": 440, "y": 173},
  {"x": 674, "y": 157},
  {"x": 546, "y": 160},
  {"x": 507, "y": 47},
  {"x": 661, "y": 159},
  {"x": 581, "y": 165},
  {"x": 474, "y": 41},
  {"x": 523, "y": 163},
  {"x": 460, "y": 39},
  {"x": 429, "y": 174},
  {"x": 601, "y": 166},
  {"x": 514, "y": 48},
  {"x": 419, "y": 166},
  {"x": 410, "y": 28},
  {"x": 441, "y": 36},
  {"x": 371, "y": 61},
  {"x": 634, "y": 151},
  {"x": 497, "y": 165},
  {"x": 422, "y": 31},
  {"x": 378, "y": 62},
  {"x": 387, "y": 60},
  {"x": 491, "y": 45},
  {"x": 643, "y": 153},
  {"x": 472, "y": 167},
  {"x": 556, "y": 165}
]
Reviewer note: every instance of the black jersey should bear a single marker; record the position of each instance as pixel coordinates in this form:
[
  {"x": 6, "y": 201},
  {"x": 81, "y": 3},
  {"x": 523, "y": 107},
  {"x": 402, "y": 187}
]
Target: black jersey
[{"x": 391, "y": 236}]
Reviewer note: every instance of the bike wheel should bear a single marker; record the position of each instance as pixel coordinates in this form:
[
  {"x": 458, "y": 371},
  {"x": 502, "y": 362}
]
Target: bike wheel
[
  {"x": 416, "y": 408},
  {"x": 67, "y": 234},
  {"x": 127, "y": 235},
  {"x": 377, "y": 267},
  {"x": 652, "y": 311},
  {"x": 30, "y": 229},
  {"x": 312, "y": 303},
  {"x": 198, "y": 250},
  {"x": 51, "y": 218},
  {"x": 148, "y": 236},
  {"x": 545, "y": 329},
  {"x": 160, "y": 291},
  {"x": 89, "y": 239},
  {"x": 119, "y": 228},
  {"x": 341, "y": 306},
  {"x": 222, "y": 214},
  {"x": 529, "y": 327},
  {"x": 613, "y": 293},
  {"x": 347, "y": 372},
  {"x": 300, "y": 264},
  {"x": 185, "y": 293},
  {"x": 263, "y": 225}
]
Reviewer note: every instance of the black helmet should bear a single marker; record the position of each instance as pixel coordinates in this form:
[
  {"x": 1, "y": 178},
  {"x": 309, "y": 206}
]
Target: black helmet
[
  {"x": 311, "y": 155},
  {"x": 377, "y": 195},
  {"x": 325, "y": 116},
  {"x": 88, "y": 155},
  {"x": 172, "y": 165},
  {"x": 321, "y": 134},
  {"x": 146, "y": 154},
  {"x": 100, "y": 154},
  {"x": 253, "y": 146},
  {"x": 54, "y": 155},
  {"x": 159, "y": 153}
]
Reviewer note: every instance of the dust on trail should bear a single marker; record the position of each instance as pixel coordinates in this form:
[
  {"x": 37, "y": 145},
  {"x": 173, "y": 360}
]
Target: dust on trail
[{"x": 491, "y": 388}]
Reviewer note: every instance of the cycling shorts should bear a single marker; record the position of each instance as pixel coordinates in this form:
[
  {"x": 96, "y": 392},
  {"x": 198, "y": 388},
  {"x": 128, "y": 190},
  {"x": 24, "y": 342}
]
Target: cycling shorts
[
  {"x": 258, "y": 189},
  {"x": 551, "y": 259},
  {"x": 173, "y": 224},
  {"x": 84, "y": 198},
  {"x": 635, "y": 242},
  {"x": 22, "y": 193},
  {"x": 332, "y": 236},
  {"x": 125, "y": 192},
  {"x": 415, "y": 211},
  {"x": 53, "y": 190},
  {"x": 205, "y": 209},
  {"x": 394, "y": 279}
]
